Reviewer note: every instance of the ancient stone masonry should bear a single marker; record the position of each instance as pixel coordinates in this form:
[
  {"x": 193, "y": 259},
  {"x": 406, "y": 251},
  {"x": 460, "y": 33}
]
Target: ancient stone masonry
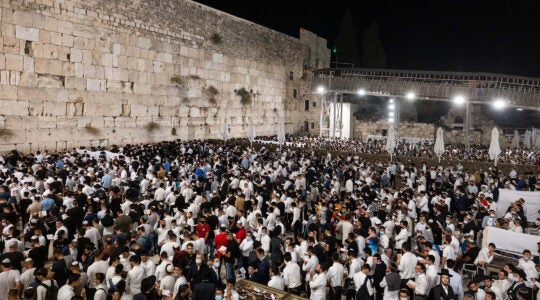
[{"x": 101, "y": 72}]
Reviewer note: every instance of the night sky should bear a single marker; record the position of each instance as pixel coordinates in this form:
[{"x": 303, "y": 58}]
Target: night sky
[{"x": 462, "y": 35}]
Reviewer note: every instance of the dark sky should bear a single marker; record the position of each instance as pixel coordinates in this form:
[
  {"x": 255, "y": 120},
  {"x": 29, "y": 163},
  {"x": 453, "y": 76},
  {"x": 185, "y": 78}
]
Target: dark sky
[{"x": 462, "y": 35}]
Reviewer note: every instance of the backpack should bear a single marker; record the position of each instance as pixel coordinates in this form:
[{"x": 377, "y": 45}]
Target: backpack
[
  {"x": 363, "y": 292},
  {"x": 52, "y": 291},
  {"x": 112, "y": 288}
]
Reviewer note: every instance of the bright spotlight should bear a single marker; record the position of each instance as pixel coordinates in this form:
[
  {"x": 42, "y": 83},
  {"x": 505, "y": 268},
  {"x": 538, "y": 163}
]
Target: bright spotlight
[
  {"x": 361, "y": 92},
  {"x": 499, "y": 104},
  {"x": 392, "y": 100},
  {"x": 321, "y": 90},
  {"x": 391, "y": 120},
  {"x": 519, "y": 109},
  {"x": 391, "y": 114},
  {"x": 410, "y": 96},
  {"x": 391, "y": 106},
  {"x": 459, "y": 100}
]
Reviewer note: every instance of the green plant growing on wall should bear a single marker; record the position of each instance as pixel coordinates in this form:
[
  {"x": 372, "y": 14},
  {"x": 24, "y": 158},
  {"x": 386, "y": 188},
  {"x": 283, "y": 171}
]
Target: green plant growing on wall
[
  {"x": 212, "y": 100},
  {"x": 177, "y": 80},
  {"x": 216, "y": 38},
  {"x": 212, "y": 90},
  {"x": 185, "y": 100},
  {"x": 5, "y": 133},
  {"x": 91, "y": 130},
  {"x": 151, "y": 126},
  {"x": 245, "y": 96}
]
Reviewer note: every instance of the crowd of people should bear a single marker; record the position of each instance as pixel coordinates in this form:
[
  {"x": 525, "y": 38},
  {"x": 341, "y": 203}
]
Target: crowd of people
[
  {"x": 186, "y": 220},
  {"x": 404, "y": 148}
]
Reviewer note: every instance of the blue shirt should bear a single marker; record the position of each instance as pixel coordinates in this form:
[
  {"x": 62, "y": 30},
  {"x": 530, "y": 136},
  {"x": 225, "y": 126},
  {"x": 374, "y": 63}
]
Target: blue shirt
[{"x": 47, "y": 203}]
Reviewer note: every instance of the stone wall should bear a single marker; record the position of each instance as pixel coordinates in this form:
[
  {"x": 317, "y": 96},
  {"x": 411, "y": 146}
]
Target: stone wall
[{"x": 101, "y": 72}]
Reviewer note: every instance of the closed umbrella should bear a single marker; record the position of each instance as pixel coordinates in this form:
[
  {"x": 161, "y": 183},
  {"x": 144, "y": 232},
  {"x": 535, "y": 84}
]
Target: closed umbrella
[
  {"x": 225, "y": 131},
  {"x": 527, "y": 140},
  {"x": 439, "y": 144},
  {"x": 391, "y": 142},
  {"x": 515, "y": 140},
  {"x": 281, "y": 135},
  {"x": 494, "y": 146},
  {"x": 251, "y": 134}
]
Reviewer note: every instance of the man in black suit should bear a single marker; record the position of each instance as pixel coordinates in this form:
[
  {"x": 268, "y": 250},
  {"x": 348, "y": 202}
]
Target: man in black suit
[
  {"x": 378, "y": 275},
  {"x": 443, "y": 291},
  {"x": 205, "y": 289}
]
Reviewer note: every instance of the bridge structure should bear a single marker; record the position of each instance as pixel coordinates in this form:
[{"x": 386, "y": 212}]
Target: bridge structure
[{"x": 463, "y": 88}]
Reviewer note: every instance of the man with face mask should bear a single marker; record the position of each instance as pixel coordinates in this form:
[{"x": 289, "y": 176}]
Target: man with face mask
[
  {"x": 526, "y": 263},
  {"x": 196, "y": 269}
]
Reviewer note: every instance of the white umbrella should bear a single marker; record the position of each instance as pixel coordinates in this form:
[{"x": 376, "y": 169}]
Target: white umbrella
[
  {"x": 225, "y": 131},
  {"x": 527, "y": 140},
  {"x": 439, "y": 143},
  {"x": 391, "y": 142},
  {"x": 251, "y": 135},
  {"x": 494, "y": 146},
  {"x": 537, "y": 143},
  {"x": 515, "y": 140},
  {"x": 281, "y": 135}
]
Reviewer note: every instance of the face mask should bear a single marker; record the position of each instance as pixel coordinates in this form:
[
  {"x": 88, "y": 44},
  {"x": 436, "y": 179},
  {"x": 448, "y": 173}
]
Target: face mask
[
  {"x": 526, "y": 258},
  {"x": 402, "y": 298},
  {"x": 218, "y": 297},
  {"x": 492, "y": 216},
  {"x": 465, "y": 222},
  {"x": 198, "y": 261},
  {"x": 217, "y": 265},
  {"x": 4, "y": 224}
]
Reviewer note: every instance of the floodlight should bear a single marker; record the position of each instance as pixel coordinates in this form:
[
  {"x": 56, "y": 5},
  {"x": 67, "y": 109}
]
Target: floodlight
[
  {"x": 410, "y": 96},
  {"x": 391, "y": 120},
  {"x": 459, "y": 100},
  {"x": 391, "y": 106},
  {"x": 392, "y": 100},
  {"x": 361, "y": 92},
  {"x": 391, "y": 114},
  {"x": 499, "y": 104},
  {"x": 321, "y": 90},
  {"x": 519, "y": 109}
]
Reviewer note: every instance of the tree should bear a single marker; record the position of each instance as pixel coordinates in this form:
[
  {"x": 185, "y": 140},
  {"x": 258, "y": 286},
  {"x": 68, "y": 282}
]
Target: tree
[
  {"x": 346, "y": 46},
  {"x": 373, "y": 55}
]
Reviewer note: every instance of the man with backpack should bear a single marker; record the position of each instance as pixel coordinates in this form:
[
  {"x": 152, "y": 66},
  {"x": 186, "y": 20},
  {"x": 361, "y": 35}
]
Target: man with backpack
[
  {"x": 101, "y": 288},
  {"x": 47, "y": 288},
  {"x": 67, "y": 291}
]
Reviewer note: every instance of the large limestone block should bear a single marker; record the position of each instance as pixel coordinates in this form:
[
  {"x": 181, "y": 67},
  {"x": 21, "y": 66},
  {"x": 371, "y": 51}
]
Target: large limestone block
[
  {"x": 16, "y": 108},
  {"x": 75, "y": 83},
  {"x": 96, "y": 85},
  {"x": 66, "y": 122},
  {"x": 139, "y": 110},
  {"x": 54, "y": 108},
  {"x": 27, "y": 33},
  {"x": 100, "y": 109},
  {"x": 8, "y": 92},
  {"x": 23, "y": 18},
  {"x": 46, "y": 122},
  {"x": 14, "y": 62}
]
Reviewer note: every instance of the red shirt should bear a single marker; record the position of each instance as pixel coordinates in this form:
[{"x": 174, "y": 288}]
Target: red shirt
[
  {"x": 221, "y": 240},
  {"x": 241, "y": 235},
  {"x": 203, "y": 230}
]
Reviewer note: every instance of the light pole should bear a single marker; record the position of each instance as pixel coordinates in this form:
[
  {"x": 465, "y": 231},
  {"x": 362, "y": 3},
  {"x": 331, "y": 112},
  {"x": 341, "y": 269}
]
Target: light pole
[{"x": 460, "y": 100}]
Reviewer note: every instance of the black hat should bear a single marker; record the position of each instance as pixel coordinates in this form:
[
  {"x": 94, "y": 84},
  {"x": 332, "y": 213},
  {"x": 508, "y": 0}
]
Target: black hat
[
  {"x": 148, "y": 283},
  {"x": 444, "y": 272}
]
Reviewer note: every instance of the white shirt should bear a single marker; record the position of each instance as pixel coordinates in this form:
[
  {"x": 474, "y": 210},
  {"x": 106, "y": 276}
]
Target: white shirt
[
  {"x": 359, "y": 279},
  {"x": 149, "y": 266},
  {"x": 101, "y": 292},
  {"x": 291, "y": 275},
  {"x": 484, "y": 256},
  {"x": 99, "y": 266},
  {"x": 406, "y": 265},
  {"x": 65, "y": 292},
  {"x": 421, "y": 285},
  {"x": 277, "y": 282},
  {"x": 134, "y": 278},
  {"x": 401, "y": 238},
  {"x": 93, "y": 235},
  {"x": 335, "y": 274},
  {"x": 310, "y": 265},
  {"x": 318, "y": 287}
]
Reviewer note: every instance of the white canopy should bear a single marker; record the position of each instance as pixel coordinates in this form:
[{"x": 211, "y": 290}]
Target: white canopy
[
  {"x": 251, "y": 133},
  {"x": 281, "y": 134},
  {"x": 494, "y": 146},
  {"x": 391, "y": 141},
  {"x": 225, "y": 131},
  {"x": 439, "y": 144}
]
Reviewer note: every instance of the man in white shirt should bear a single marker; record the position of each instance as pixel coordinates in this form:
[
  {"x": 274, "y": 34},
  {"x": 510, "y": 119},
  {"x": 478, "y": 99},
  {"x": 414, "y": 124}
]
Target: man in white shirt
[
  {"x": 420, "y": 285},
  {"x": 276, "y": 281},
  {"x": 98, "y": 266},
  {"x": 67, "y": 292},
  {"x": 406, "y": 263},
  {"x": 526, "y": 263},
  {"x": 134, "y": 276},
  {"x": 361, "y": 278},
  {"x": 317, "y": 283},
  {"x": 92, "y": 233},
  {"x": 310, "y": 263},
  {"x": 402, "y": 236},
  {"x": 485, "y": 256},
  {"x": 335, "y": 277},
  {"x": 291, "y": 275}
]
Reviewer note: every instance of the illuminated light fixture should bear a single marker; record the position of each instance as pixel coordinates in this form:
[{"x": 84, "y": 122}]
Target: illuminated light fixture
[
  {"x": 499, "y": 104},
  {"x": 391, "y": 106},
  {"x": 391, "y": 120},
  {"x": 459, "y": 100},
  {"x": 410, "y": 96},
  {"x": 392, "y": 100},
  {"x": 519, "y": 109},
  {"x": 361, "y": 92},
  {"x": 391, "y": 114},
  {"x": 321, "y": 90}
]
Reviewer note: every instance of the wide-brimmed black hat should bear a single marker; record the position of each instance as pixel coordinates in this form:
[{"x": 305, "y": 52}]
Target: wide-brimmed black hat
[{"x": 444, "y": 272}]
